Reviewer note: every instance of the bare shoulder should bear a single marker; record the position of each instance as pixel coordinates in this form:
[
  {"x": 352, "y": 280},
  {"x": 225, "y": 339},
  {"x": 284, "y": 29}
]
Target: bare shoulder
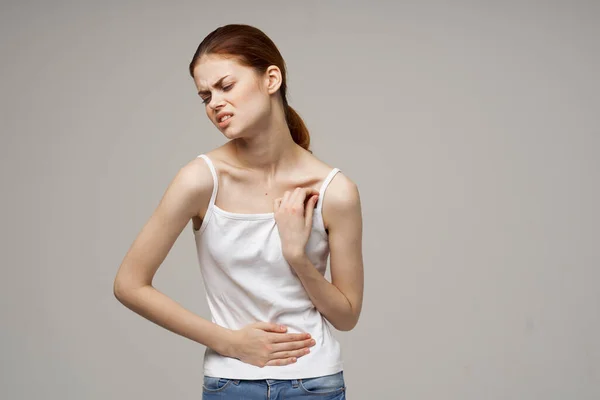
[
  {"x": 195, "y": 182},
  {"x": 341, "y": 201},
  {"x": 342, "y": 193}
]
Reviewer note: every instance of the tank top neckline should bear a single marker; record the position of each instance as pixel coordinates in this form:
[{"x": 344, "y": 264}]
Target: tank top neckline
[
  {"x": 257, "y": 216},
  {"x": 237, "y": 215}
]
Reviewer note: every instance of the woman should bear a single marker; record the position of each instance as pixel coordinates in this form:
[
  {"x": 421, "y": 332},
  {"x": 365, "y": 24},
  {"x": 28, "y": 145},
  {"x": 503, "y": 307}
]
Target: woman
[{"x": 263, "y": 229}]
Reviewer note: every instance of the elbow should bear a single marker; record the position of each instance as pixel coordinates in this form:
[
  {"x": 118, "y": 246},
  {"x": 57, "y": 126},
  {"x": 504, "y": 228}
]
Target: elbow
[
  {"x": 127, "y": 282},
  {"x": 121, "y": 290},
  {"x": 347, "y": 325},
  {"x": 344, "y": 328},
  {"x": 126, "y": 291},
  {"x": 350, "y": 319},
  {"x": 118, "y": 290},
  {"x": 125, "y": 295}
]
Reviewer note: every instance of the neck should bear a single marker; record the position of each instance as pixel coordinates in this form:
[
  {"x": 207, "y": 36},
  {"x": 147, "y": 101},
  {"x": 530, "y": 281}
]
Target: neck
[{"x": 271, "y": 150}]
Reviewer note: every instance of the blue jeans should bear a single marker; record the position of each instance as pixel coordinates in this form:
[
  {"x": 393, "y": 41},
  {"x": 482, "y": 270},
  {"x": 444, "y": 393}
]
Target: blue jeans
[{"x": 328, "y": 387}]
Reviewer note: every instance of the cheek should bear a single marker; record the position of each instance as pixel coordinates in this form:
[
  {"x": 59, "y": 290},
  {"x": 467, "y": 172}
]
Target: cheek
[{"x": 254, "y": 104}]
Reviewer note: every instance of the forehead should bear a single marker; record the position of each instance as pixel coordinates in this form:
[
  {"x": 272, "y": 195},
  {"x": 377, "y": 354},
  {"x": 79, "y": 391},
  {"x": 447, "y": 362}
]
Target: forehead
[{"x": 211, "y": 68}]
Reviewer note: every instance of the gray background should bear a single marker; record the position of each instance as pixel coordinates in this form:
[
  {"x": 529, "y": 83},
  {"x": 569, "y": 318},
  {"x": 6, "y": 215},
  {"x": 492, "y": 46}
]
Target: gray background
[{"x": 471, "y": 129}]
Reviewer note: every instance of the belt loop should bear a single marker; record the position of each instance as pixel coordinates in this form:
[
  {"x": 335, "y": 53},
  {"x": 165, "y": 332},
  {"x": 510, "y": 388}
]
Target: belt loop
[{"x": 294, "y": 383}]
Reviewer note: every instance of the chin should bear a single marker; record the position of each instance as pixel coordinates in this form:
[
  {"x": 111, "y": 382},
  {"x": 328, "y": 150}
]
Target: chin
[
  {"x": 234, "y": 133},
  {"x": 229, "y": 134}
]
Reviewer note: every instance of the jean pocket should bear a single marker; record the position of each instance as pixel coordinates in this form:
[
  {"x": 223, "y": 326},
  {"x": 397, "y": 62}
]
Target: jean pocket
[
  {"x": 326, "y": 384},
  {"x": 214, "y": 384}
]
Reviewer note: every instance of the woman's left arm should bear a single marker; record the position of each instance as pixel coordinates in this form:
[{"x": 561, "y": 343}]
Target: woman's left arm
[{"x": 340, "y": 301}]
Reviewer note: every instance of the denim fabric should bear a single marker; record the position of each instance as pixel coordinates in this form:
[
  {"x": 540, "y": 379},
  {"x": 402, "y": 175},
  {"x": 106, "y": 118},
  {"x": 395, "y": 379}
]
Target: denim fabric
[{"x": 328, "y": 387}]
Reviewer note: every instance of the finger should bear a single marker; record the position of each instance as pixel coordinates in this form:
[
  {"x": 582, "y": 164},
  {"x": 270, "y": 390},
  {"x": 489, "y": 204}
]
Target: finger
[
  {"x": 288, "y": 337},
  {"x": 294, "y": 202},
  {"x": 277, "y": 204},
  {"x": 279, "y": 362},
  {"x": 311, "y": 191},
  {"x": 301, "y": 193},
  {"x": 288, "y": 354},
  {"x": 289, "y": 346},
  {"x": 285, "y": 198},
  {"x": 310, "y": 208},
  {"x": 293, "y": 197},
  {"x": 298, "y": 198},
  {"x": 304, "y": 194},
  {"x": 269, "y": 327}
]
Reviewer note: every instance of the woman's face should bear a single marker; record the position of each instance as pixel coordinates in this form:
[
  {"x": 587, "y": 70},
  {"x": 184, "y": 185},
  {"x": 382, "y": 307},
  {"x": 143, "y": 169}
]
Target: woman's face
[{"x": 228, "y": 88}]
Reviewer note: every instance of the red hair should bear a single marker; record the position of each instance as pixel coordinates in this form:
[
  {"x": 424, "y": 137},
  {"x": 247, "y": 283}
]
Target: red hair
[{"x": 252, "y": 48}]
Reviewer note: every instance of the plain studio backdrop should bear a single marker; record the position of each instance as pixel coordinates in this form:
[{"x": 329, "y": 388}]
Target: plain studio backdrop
[{"x": 471, "y": 129}]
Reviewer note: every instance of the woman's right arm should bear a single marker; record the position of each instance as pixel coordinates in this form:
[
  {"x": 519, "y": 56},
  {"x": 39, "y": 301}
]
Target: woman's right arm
[
  {"x": 260, "y": 343},
  {"x": 186, "y": 194}
]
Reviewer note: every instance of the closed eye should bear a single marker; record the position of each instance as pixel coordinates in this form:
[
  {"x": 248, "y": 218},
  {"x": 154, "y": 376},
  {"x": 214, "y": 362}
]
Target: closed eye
[{"x": 225, "y": 89}]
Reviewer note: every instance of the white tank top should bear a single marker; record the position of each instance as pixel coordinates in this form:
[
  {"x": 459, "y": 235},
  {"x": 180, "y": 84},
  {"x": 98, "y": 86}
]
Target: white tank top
[{"x": 247, "y": 279}]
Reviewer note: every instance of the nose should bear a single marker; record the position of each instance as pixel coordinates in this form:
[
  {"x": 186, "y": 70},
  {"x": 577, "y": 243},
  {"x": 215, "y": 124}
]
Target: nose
[{"x": 215, "y": 102}]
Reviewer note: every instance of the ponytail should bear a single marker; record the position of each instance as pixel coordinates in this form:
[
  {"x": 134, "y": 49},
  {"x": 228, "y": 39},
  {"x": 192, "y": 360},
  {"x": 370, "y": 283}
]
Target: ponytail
[{"x": 297, "y": 127}]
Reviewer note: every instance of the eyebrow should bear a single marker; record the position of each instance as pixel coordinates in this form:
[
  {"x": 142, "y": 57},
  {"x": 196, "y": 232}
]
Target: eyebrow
[{"x": 215, "y": 84}]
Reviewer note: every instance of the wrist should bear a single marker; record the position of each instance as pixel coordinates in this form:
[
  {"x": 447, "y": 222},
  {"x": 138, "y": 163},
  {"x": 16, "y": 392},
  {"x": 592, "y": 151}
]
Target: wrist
[
  {"x": 227, "y": 343},
  {"x": 296, "y": 258}
]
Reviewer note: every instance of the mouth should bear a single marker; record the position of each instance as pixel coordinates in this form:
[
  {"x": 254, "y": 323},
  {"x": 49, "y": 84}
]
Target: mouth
[{"x": 224, "y": 120}]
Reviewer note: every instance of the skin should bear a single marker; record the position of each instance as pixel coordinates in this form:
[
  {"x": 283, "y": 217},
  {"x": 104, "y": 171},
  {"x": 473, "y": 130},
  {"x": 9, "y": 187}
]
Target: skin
[{"x": 261, "y": 170}]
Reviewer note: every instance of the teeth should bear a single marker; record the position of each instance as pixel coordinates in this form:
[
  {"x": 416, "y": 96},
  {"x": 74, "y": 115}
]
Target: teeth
[{"x": 224, "y": 118}]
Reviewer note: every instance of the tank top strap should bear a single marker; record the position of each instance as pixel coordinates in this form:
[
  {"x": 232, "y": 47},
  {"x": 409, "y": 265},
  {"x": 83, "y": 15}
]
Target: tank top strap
[
  {"x": 324, "y": 187},
  {"x": 213, "y": 171}
]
